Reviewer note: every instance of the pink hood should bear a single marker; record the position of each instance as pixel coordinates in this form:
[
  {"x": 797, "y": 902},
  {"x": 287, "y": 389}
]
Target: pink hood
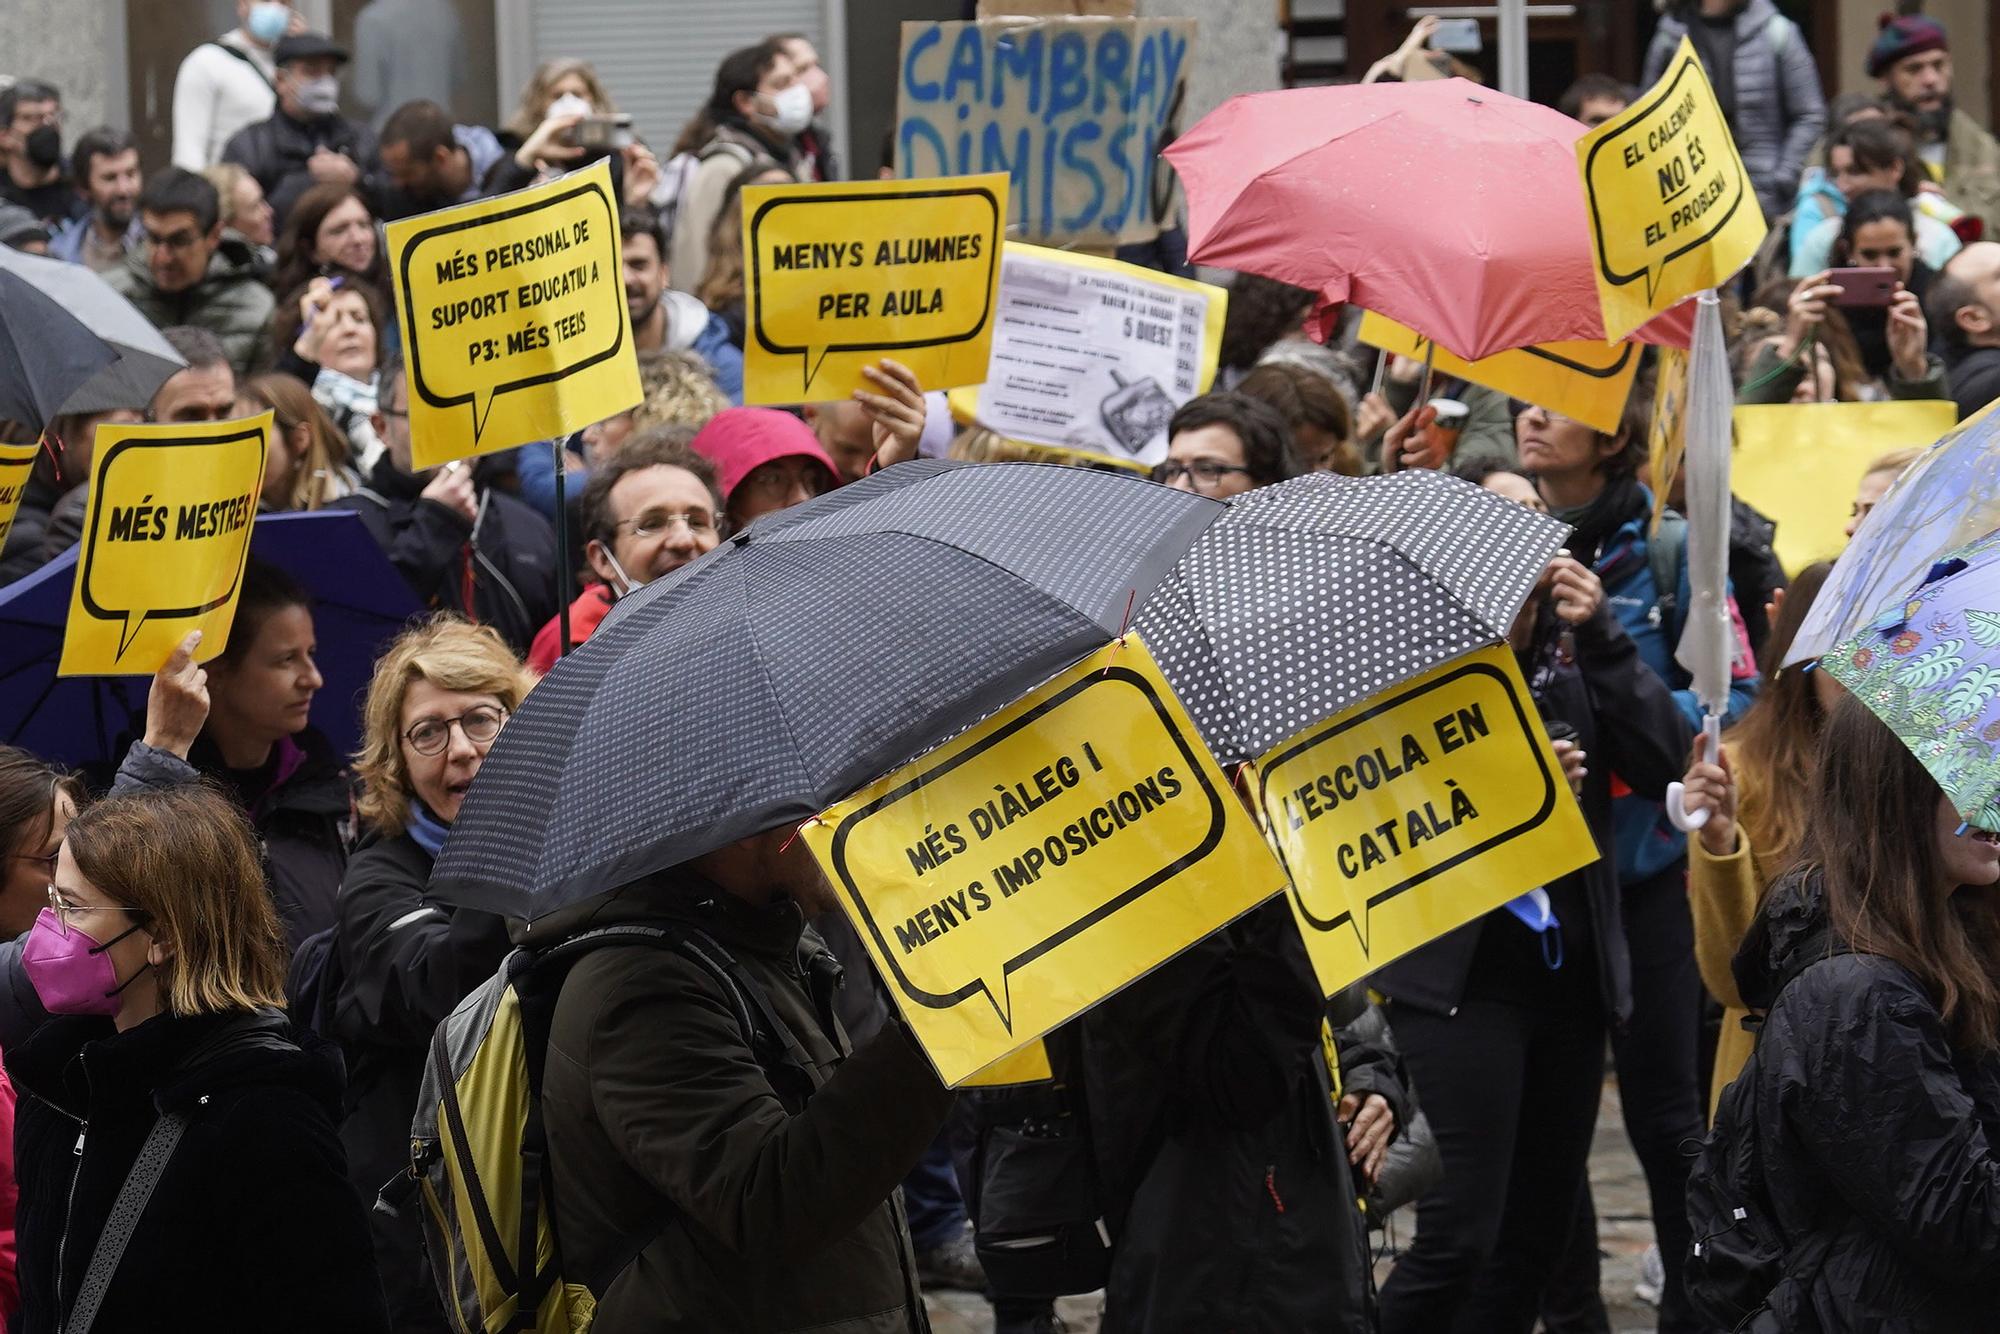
[{"x": 739, "y": 440}]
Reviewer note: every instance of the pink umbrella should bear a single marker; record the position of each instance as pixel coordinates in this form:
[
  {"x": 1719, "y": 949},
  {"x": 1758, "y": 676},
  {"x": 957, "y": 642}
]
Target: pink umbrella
[{"x": 1449, "y": 207}]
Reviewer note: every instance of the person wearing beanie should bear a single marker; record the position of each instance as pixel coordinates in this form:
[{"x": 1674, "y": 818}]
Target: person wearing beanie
[
  {"x": 1912, "y": 57},
  {"x": 1764, "y": 78}
]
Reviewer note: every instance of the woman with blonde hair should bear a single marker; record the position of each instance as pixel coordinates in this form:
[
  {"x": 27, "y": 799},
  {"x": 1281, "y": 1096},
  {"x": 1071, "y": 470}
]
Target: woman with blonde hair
[
  {"x": 553, "y": 79},
  {"x": 307, "y": 465},
  {"x": 169, "y": 1083},
  {"x": 440, "y": 695}
]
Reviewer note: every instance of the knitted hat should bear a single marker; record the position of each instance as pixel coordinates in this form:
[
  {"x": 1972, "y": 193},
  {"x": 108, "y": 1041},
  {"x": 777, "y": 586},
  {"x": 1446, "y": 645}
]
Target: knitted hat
[{"x": 1909, "y": 35}]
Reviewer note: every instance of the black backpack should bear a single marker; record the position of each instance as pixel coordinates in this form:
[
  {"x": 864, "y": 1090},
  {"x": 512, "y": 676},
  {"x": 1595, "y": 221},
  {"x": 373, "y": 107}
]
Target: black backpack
[
  {"x": 1737, "y": 1260},
  {"x": 1033, "y": 1193}
]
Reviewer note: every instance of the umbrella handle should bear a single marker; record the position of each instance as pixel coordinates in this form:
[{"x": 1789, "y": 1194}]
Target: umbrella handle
[{"x": 1684, "y": 820}]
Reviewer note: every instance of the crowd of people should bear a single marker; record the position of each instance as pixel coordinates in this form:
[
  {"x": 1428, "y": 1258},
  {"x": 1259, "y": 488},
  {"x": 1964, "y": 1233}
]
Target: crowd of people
[{"x": 1222, "y": 1146}]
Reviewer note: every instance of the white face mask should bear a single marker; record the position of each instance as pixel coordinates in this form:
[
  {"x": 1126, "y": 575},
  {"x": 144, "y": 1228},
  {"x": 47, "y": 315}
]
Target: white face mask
[
  {"x": 791, "y": 110},
  {"x": 319, "y": 97},
  {"x": 626, "y": 583},
  {"x": 569, "y": 104}
]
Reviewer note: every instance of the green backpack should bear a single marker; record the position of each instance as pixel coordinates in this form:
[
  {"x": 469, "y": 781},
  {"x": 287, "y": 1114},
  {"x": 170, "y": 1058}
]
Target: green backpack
[{"x": 479, "y": 1150}]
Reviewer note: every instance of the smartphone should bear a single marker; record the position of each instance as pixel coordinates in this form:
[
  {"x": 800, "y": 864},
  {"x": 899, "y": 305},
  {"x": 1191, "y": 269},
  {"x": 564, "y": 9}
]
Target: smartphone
[
  {"x": 603, "y": 132},
  {"x": 1864, "y": 287},
  {"x": 1458, "y": 36}
]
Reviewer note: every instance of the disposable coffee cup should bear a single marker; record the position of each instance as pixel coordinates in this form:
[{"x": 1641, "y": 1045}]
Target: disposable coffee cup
[{"x": 1442, "y": 434}]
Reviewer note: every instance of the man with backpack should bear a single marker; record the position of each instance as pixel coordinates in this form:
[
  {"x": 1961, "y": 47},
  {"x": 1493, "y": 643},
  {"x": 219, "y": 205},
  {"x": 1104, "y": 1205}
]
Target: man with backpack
[{"x": 719, "y": 1158}]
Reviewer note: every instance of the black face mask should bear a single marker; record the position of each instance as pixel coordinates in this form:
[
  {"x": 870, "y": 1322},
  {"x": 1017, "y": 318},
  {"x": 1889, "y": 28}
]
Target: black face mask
[{"x": 44, "y": 146}]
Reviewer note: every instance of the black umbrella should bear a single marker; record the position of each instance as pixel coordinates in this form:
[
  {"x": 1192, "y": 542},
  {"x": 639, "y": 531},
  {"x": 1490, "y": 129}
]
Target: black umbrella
[
  {"x": 805, "y": 657},
  {"x": 1313, "y": 594},
  {"x": 45, "y": 354},
  {"x": 144, "y": 357}
]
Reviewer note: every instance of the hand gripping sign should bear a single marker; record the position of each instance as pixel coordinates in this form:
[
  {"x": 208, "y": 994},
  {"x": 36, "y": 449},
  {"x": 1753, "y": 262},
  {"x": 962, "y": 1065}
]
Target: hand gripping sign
[
  {"x": 516, "y": 302},
  {"x": 1672, "y": 210},
  {"x": 16, "y": 463},
  {"x": 1022, "y": 872},
  {"x": 836, "y": 276},
  {"x": 1588, "y": 381},
  {"x": 165, "y": 538},
  {"x": 1416, "y": 811}
]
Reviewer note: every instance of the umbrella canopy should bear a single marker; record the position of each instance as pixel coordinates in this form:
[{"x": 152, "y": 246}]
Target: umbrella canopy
[
  {"x": 1947, "y": 499},
  {"x": 1313, "y": 594},
  {"x": 45, "y": 355},
  {"x": 1708, "y": 640},
  {"x": 1448, "y": 207},
  {"x": 806, "y": 656},
  {"x": 359, "y": 601},
  {"x": 145, "y": 359},
  {"x": 1930, "y": 669}
]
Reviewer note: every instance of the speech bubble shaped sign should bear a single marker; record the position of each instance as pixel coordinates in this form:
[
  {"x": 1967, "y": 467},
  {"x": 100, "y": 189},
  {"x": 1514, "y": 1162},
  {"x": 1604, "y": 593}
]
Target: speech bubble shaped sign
[
  {"x": 1417, "y": 811},
  {"x": 1021, "y": 873},
  {"x": 1672, "y": 210},
  {"x": 1587, "y": 381},
  {"x": 165, "y": 538},
  {"x": 17, "y": 463},
  {"x": 837, "y": 276},
  {"x": 519, "y": 298}
]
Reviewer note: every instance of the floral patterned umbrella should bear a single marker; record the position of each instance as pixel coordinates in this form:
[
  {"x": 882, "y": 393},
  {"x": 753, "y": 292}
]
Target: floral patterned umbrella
[{"x": 1930, "y": 669}]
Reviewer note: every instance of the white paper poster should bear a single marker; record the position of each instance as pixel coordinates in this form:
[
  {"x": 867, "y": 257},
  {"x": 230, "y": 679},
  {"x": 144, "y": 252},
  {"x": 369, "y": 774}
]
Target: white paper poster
[{"x": 1093, "y": 355}]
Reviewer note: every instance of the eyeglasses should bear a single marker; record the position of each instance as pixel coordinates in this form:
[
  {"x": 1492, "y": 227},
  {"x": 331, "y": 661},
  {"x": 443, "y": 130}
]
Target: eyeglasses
[
  {"x": 1203, "y": 473},
  {"x": 656, "y": 521},
  {"x": 782, "y": 477},
  {"x": 480, "y": 725},
  {"x": 66, "y": 911}
]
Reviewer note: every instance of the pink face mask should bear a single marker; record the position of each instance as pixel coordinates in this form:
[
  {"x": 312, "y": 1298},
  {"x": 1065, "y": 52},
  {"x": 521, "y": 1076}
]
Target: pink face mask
[{"x": 72, "y": 973}]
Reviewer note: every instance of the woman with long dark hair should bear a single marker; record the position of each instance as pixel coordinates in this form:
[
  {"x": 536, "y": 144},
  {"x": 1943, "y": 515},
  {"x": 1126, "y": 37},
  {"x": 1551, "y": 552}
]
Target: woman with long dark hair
[
  {"x": 1873, "y": 1099},
  {"x": 1755, "y": 793},
  {"x": 757, "y": 109}
]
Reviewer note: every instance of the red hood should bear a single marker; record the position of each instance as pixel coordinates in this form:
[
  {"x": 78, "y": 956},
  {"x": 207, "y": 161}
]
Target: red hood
[{"x": 739, "y": 440}]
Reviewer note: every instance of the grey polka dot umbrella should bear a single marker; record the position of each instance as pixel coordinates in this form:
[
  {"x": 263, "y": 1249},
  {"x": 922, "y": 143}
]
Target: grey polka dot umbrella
[
  {"x": 803, "y": 658},
  {"x": 1313, "y": 594}
]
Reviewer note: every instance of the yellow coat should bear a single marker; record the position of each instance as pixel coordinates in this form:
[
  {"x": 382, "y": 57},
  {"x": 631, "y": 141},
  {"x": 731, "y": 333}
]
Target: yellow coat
[{"x": 1723, "y": 894}]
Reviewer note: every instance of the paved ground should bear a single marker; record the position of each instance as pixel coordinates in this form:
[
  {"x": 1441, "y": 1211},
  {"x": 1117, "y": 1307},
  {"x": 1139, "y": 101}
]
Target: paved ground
[{"x": 1623, "y": 1231}]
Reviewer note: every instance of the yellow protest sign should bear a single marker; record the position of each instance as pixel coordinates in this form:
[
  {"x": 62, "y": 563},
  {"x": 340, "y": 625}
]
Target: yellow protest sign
[
  {"x": 1588, "y": 381},
  {"x": 517, "y": 301},
  {"x": 16, "y": 463},
  {"x": 1799, "y": 464},
  {"x": 1666, "y": 439},
  {"x": 165, "y": 537},
  {"x": 1030, "y": 1065},
  {"x": 838, "y": 276},
  {"x": 1416, "y": 811},
  {"x": 1019, "y": 874},
  {"x": 1672, "y": 210}
]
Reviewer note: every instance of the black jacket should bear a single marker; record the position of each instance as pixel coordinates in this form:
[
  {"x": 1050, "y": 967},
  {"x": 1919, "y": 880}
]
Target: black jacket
[
  {"x": 276, "y": 151},
  {"x": 404, "y": 962},
  {"x": 253, "y": 1226},
  {"x": 1228, "y": 1192},
  {"x": 1876, "y": 1136},
  {"x": 510, "y": 550},
  {"x": 781, "y": 1202},
  {"x": 1627, "y": 724},
  {"x": 1975, "y": 378},
  {"x": 22, "y": 555}
]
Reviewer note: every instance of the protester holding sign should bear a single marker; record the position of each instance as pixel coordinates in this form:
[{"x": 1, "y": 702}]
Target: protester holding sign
[
  {"x": 1588, "y": 479},
  {"x": 1503, "y": 1021}
]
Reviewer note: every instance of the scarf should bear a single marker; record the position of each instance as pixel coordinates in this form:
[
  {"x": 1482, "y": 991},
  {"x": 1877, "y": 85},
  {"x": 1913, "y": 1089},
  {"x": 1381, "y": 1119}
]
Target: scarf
[
  {"x": 1595, "y": 522},
  {"x": 426, "y": 830}
]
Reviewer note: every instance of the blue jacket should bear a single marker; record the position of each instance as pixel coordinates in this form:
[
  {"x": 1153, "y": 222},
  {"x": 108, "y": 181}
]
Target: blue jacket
[
  {"x": 1647, "y": 841},
  {"x": 725, "y": 362}
]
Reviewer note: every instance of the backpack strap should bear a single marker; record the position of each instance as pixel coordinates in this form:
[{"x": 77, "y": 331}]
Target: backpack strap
[
  {"x": 244, "y": 56},
  {"x": 1665, "y": 549},
  {"x": 126, "y": 1210}
]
